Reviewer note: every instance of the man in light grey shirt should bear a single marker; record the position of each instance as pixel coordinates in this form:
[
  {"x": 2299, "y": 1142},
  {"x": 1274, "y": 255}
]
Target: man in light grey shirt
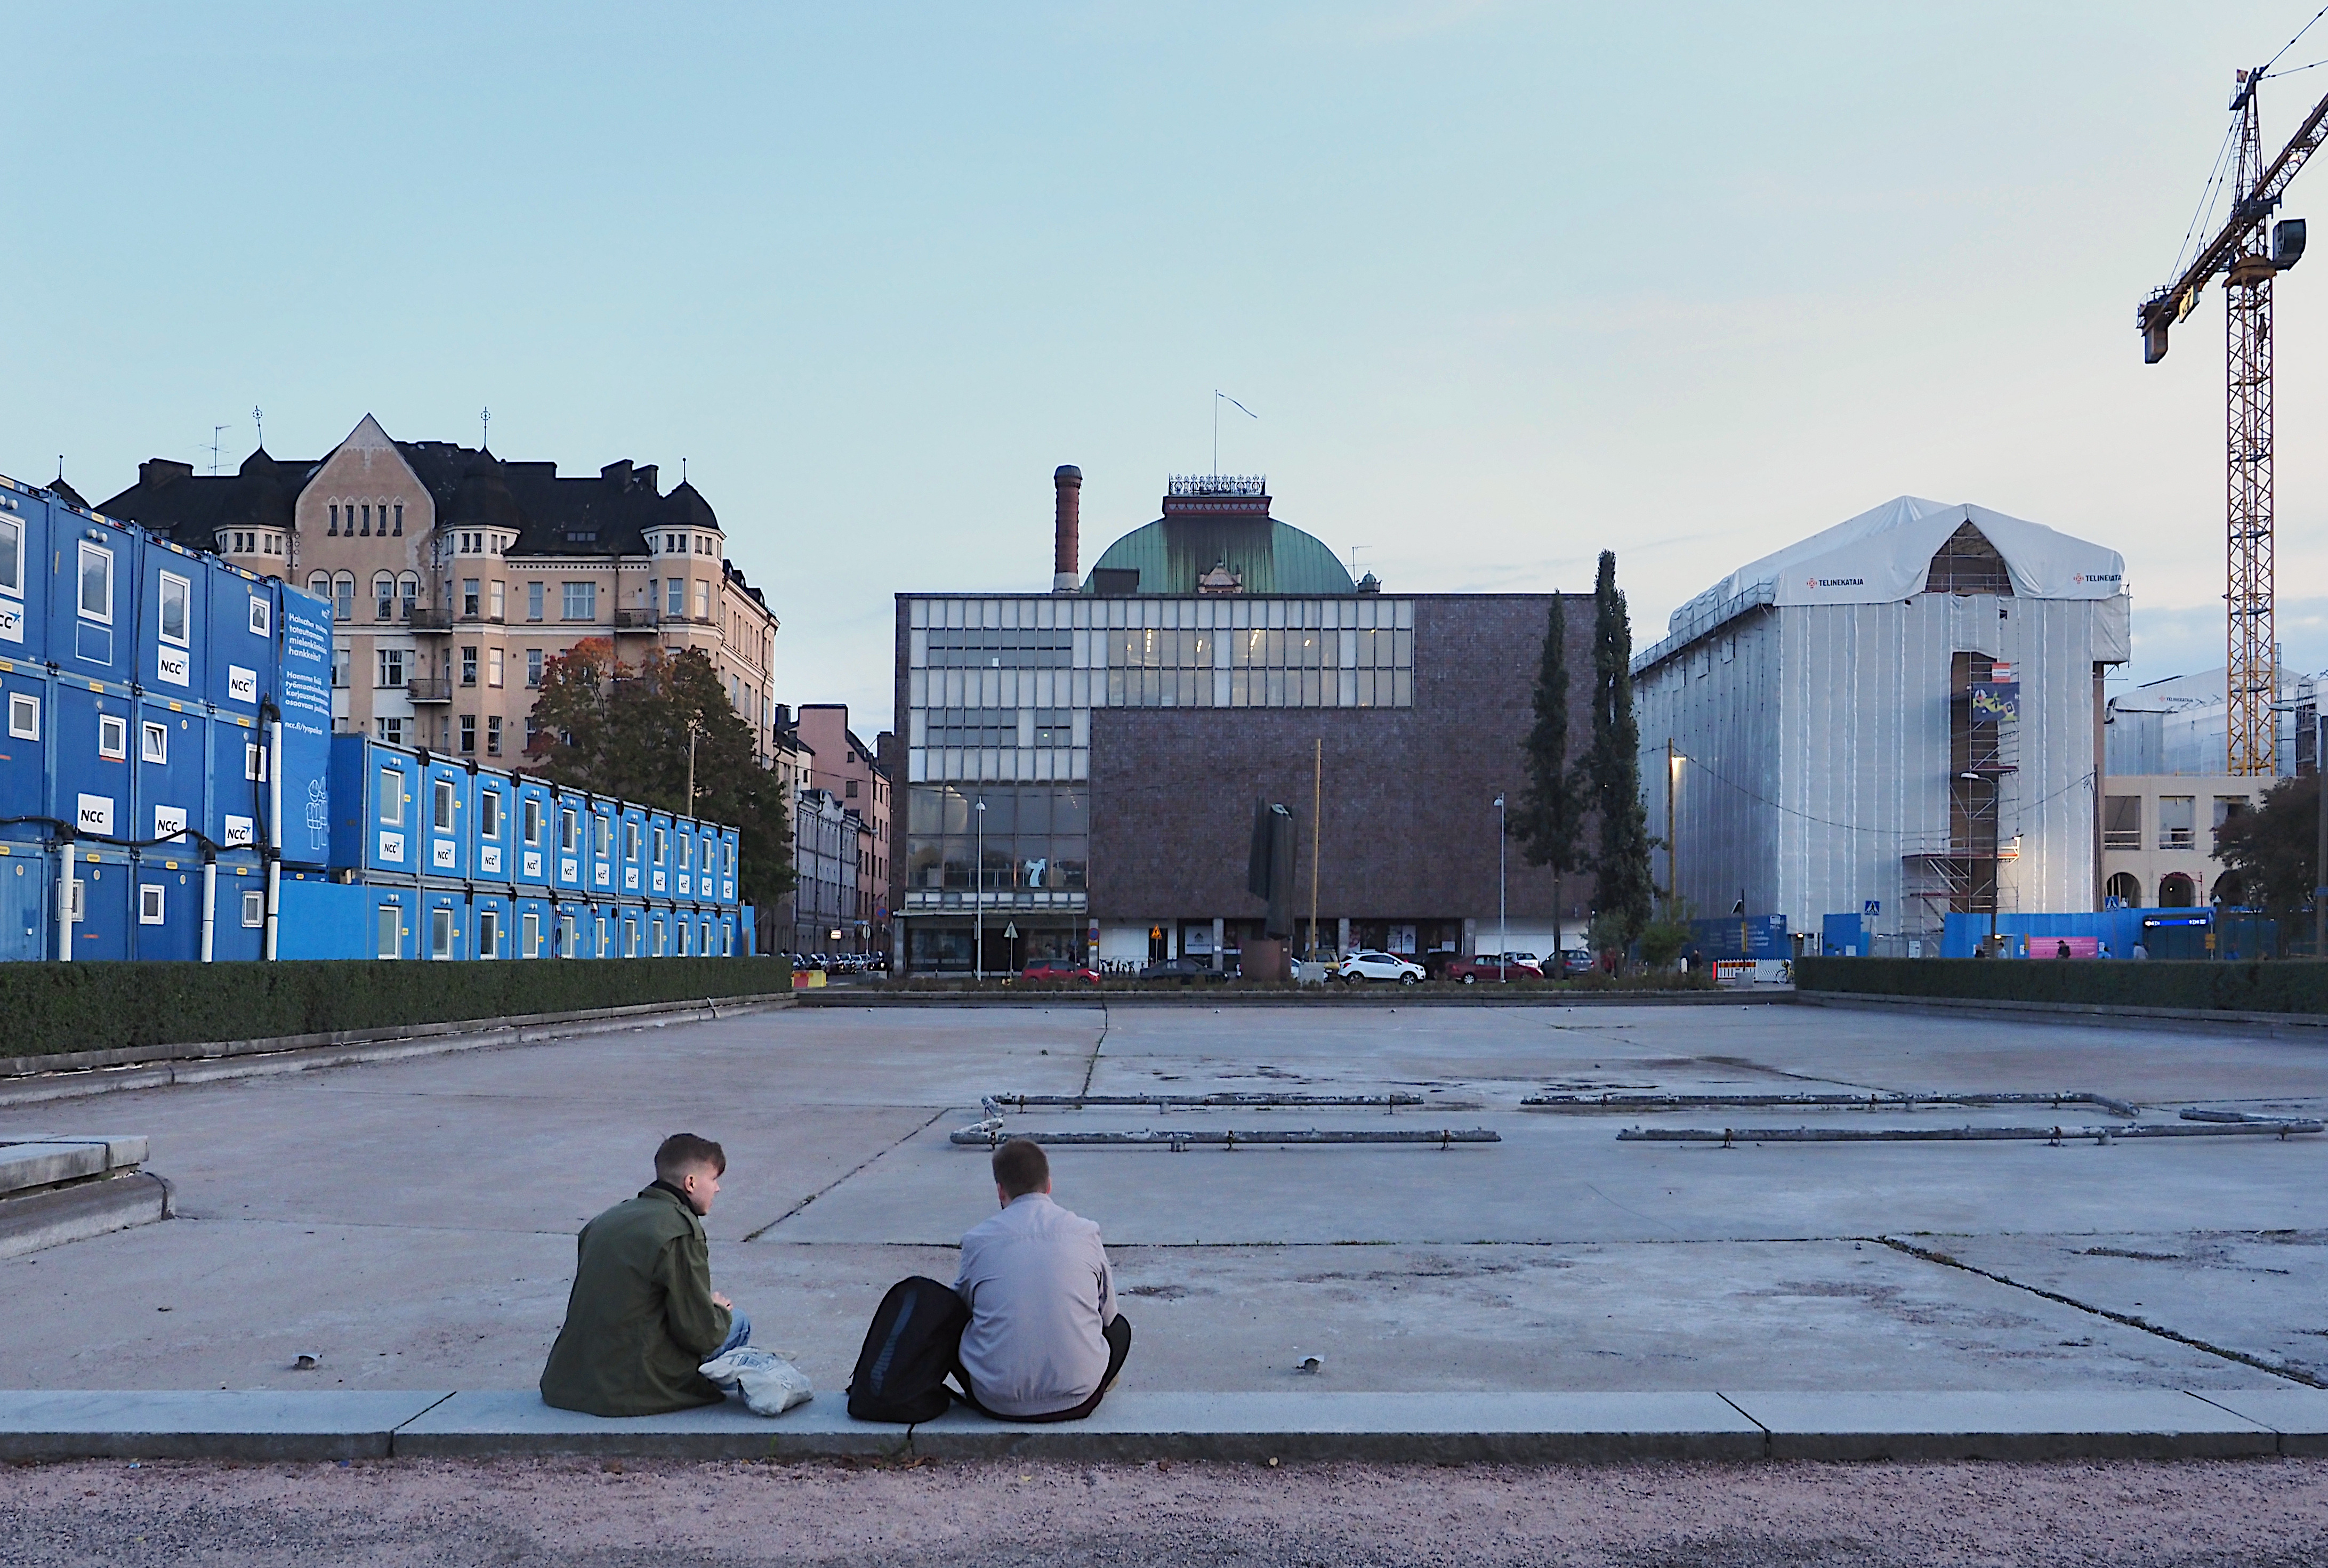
[{"x": 1045, "y": 1341}]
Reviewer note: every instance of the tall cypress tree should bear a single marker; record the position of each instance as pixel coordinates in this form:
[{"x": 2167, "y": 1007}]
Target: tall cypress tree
[
  {"x": 1621, "y": 867},
  {"x": 1552, "y": 805}
]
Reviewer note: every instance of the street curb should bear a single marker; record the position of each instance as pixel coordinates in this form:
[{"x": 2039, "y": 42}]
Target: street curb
[
  {"x": 1388, "y": 996},
  {"x": 2276, "y": 1026},
  {"x": 161, "y": 1066},
  {"x": 1451, "y": 1427}
]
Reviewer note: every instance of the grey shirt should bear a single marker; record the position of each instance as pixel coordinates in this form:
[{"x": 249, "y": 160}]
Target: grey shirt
[{"x": 1037, "y": 1281}]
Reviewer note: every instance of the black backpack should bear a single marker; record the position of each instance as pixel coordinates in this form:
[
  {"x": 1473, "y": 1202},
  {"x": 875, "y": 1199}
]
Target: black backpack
[{"x": 911, "y": 1347}]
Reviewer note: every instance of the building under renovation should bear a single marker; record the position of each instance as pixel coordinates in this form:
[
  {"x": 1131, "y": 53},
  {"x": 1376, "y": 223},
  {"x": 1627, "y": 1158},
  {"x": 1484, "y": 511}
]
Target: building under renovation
[{"x": 1894, "y": 718}]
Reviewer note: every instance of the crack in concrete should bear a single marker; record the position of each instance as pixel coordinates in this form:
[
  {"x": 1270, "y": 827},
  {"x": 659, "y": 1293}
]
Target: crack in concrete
[
  {"x": 1933, "y": 1255},
  {"x": 845, "y": 1174},
  {"x": 1091, "y": 1067}
]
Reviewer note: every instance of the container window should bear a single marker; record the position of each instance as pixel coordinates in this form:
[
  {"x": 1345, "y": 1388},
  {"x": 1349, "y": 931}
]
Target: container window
[
  {"x": 489, "y": 933},
  {"x": 444, "y": 798},
  {"x": 254, "y": 909},
  {"x": 176, "y": 593},
  {"x": 529, "y": 937},
  {"x": 440, "y": 933},
  {"x": 112, "y": 737},
  {"x": 149, "y": 903},
  {"x": 262, "y": 618},
  {"x": 12, "y": 556},
  {"x": 154, "y": 741},
  {"x": 95, "y": 582},
  {"x": 530, "y": 815},
  {"x": 391, "y": 796},
  {"x": 24, "y": 716},
  {"x": 387, "y": 932},
  {"x": 489, "y": 812}
]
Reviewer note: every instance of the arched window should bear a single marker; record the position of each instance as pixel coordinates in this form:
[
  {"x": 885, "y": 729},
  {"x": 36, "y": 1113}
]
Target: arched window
[
  {"x": 383, "y": 597},
  {"x": 2231, "y": 891},
  {"x": 2177, "y": 891},
  {"x": 2127, "y": 889},
  {"x": 320, "y": 584},
  {"x": 407, "y": 591},
  {"x": 334, "y": 530},
  {"x": 343, "y": 596}
]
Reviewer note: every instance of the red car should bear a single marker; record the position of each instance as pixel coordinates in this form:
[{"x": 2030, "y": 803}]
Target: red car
[
  {"x": 1058, "y": 970},
  {"x": 1493, "y": 968}
]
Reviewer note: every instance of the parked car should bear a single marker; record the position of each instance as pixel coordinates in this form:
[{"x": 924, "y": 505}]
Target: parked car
[
  {"x": 1578, "y": 961},
  {"x": 1057, "y": 969},
  {"x": 1494, "y": 968},
  {"x": 1187, "y": 971},
  {"x": 1363, "y": 966}
]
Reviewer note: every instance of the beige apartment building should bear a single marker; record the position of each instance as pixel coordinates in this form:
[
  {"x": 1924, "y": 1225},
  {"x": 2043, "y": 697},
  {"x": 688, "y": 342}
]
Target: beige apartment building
[
  {"x": 850, "y": 773},
  {"x": 2158, "y": 837},
  {"x": 456, "y": 575}
]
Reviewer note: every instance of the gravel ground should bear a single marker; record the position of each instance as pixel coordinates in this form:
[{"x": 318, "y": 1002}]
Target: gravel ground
[{"x": 2259, "y": 1514}]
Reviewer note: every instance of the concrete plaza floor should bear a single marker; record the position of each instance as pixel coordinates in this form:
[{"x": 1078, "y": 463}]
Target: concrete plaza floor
[{"x": 412, "y": 1223}]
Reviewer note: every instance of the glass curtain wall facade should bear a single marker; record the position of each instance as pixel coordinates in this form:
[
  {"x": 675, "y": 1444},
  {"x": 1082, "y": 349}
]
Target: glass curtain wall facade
[{"x": 999, "y": 694}]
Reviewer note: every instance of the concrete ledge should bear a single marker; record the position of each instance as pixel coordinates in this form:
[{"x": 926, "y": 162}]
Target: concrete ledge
[
  {"x": 2181, "y": 1021},
  {"x": 209, "y": 1424},
  {"x": 1944, "y": 1425},
  {"x": 1439, "y": 1428},
  {"x": 35, "y": 1220},
  {"x": 1398, "y": 1428},
  {"x": 49, "y": 1161},
  {"x": 68, "y": 1074},
  {"x": 1374, "y": 996}
]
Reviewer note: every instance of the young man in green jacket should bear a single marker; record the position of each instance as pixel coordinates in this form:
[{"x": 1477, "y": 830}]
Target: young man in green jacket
[{"x": 642, "y": 1314}]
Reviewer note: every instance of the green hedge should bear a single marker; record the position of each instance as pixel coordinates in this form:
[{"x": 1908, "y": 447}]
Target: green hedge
[
  {"x": 95, "y": 1007},
  {"x": 2288, "y": 986}
]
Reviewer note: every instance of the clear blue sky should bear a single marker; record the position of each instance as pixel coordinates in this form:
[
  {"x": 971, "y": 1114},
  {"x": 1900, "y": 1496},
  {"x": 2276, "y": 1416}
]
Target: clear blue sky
[{"x": 1505, "y": 284}]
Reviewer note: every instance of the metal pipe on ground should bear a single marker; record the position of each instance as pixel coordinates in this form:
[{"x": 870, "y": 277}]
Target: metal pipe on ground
[
  {"x": 995, "y": 1104},
  {"x": 1881, "y": 1099},
  {"x": 1729, "y": 1137},
  {"x": 988, "y": 1134}
]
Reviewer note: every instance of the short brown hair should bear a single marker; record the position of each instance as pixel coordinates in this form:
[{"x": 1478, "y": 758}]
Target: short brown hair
[
  {"x": 682, "y": 1152},
  {"x": 1020, "y": 1167}
]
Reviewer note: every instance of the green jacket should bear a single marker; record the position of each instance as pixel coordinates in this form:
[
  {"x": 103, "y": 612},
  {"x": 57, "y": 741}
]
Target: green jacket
[{"x": 641, "y": 1317}]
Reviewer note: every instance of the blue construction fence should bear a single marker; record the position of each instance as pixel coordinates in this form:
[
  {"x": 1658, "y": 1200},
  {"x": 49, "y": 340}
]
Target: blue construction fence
[{"x": 171, "y": 788}]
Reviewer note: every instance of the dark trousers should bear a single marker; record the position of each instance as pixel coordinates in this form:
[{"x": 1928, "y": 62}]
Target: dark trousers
[{"x": 1118, "y": 1335}]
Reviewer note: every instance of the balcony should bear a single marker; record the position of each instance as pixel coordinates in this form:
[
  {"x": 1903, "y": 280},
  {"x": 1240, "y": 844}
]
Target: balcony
[
  {"x": 635, "y": 620},
  {"x": 429, "y": 688},
  {"x": 430, "y": 620}
]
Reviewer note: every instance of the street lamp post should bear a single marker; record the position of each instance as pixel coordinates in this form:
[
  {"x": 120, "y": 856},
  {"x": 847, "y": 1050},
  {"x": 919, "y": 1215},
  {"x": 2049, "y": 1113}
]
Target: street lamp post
[
  {"x": 1503, "y": 927},
  {"x": 978, "y": 901}
]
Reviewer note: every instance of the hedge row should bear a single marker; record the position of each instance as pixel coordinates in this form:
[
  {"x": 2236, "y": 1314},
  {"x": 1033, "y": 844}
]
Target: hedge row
[
  {"x": 2288, "y": 986},
  {"x": 90, "y": 1006}
]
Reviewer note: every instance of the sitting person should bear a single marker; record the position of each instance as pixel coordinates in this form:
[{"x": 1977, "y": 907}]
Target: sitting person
[
  {"x": 1045, "y": 1340},
  {"x": 642, "y": 1314}
]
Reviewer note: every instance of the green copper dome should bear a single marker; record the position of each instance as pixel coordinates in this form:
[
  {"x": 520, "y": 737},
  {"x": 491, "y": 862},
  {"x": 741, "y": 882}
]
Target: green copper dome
[{"x": 1268, "y": 556}]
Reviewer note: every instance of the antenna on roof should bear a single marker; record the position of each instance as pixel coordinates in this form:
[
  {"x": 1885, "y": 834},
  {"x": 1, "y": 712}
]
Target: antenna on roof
[
  {"x": 214, "y": 448},
  {"x": 682, "y": 471},
  {"x": 1353, "y": 560},
  {"x": 259, "y": 417},
  {"x": 485, "y": 427},
  {"x": 61, "y": 469}
]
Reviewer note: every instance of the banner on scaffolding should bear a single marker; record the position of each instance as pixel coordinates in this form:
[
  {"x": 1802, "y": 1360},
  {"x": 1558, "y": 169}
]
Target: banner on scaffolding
[{"x": 1996, "y": 702}]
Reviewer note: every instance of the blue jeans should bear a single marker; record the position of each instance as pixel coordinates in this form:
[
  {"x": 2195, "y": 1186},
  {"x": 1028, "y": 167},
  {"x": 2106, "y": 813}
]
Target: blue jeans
[{"x": 739, "y": 1334}]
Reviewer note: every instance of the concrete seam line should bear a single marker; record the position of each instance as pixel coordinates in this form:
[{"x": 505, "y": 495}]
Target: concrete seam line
[
  {"x": 845, "y": 1174},
  {"x": 2279, "y": 1436},
  {"x": 1106, "y": 1020},
  {"x": 2274, "y": 1026},
  {"x": 1748, "y": 1415},
  {"x": 409, "y": 1420},
  {"x": 1932, "y": 1255}
]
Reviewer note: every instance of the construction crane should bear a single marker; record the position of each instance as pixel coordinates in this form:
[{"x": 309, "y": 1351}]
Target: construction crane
[{"x": 2240, "y": 253}]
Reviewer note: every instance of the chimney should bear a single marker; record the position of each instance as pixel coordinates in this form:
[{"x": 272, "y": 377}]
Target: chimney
[{"x": 1065, "y": 578}]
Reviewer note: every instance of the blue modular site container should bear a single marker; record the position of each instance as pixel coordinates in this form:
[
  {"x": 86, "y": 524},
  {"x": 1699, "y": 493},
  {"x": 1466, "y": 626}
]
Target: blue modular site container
[
  {"x": 659, "y": 855},
  {"x": 238, "y": 931},
  {"x": 28, "y": 693},
  {"x": 682, "y": 857},
  {"x": 91, "y": 783},
  {"x": 167, "y": 904},
  {"x": 444, "y": 789},
  {"x": 729, "y": 839},
  {"x": 28, "y": 924},
  {"x": 103, "y": 899},
  {"x": 94, "y": 566},
  {"x": 172, "y": 766},
  {"x": 23, "y": 566},
  {"x": 601, "y": 816},
  {"x": 535, "y": 927},
  {"x": 630, "y": 920},
  {"x": 540, "y": 836},
  {"x": 444, "y": 924},
  {"x": 302, "y": 670},
  {"x": 659, "y": 923},
  {"x": 491, "y": 919},
  {"x": 493, "y": 798},
  {"x": 569, "y": 816},
  {"x": 173, "y": 618},
  {"x": 238, "y": 797},
  {"x": 630, "y": 879},
  {"x": 377, "y": 803},
  {"x": 320, "y": 918},
  {"x": 241, "y": 622}
]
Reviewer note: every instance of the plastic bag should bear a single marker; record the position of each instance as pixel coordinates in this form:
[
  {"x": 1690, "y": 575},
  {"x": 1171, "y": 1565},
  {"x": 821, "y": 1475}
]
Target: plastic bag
[{"x": 768, "y": 1383}]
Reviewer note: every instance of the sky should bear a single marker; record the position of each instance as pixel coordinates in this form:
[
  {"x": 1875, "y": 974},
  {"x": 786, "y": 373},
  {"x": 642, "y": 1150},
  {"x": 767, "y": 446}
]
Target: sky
[{"x": 1505, "y": 285}]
